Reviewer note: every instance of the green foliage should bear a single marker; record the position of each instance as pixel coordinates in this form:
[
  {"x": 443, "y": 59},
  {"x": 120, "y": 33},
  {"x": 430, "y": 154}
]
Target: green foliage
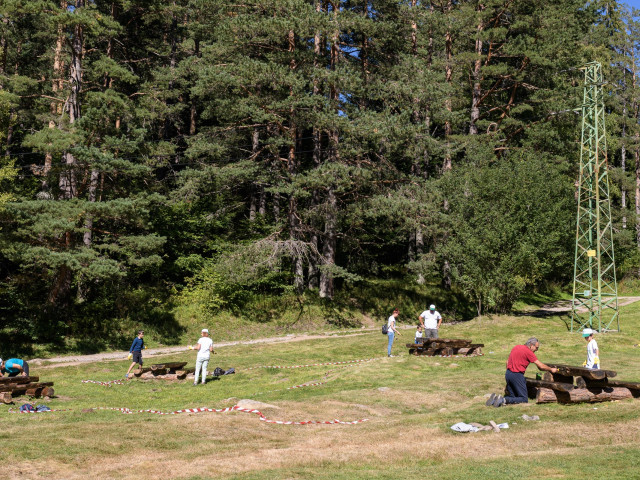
[
  {"x": 501, "y": 248},
  {"x": 232, "y": 154}
]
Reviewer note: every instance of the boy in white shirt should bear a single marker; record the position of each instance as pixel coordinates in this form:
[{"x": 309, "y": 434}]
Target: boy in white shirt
[{"x": 593, "y": 353}]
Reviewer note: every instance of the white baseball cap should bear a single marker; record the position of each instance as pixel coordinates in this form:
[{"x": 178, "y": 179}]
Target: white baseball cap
[
  {"x": 432, "y": 307},
  {"x": 205, "y": 330},
  {"x": 586, "y": 332}
]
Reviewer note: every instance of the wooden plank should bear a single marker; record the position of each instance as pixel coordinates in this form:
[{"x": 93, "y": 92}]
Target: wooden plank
[
  {"x": 13, "y": 387},
  {"x": 560, "y": 387},
  {"x": 163, "y": 366},
  {"x": 571, "y": 371},
  {"x": 18, "y": 379},
  {"x": 448, "y": 343}
]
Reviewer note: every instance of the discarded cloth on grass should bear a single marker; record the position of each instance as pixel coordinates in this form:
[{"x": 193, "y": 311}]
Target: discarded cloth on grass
[
  {"x": 463, "y": 427},
  {"x": 218, "y": 372},
  {"x": 42, "y": 408},
  {"x": 466, "y": 427}
]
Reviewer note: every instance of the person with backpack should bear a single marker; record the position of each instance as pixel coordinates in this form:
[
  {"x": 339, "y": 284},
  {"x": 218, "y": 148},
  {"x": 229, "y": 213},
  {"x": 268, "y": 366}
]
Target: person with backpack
[{"x": 391, "y": 330}]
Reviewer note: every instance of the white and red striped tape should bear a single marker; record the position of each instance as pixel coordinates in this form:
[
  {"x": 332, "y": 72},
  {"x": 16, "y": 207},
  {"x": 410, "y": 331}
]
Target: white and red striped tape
[
  {"x": 121, "y": 381},
  {"x": 235, "y": 408},
  {"x": 107, "y": 383},
  {"x": 311, "y": 364}
]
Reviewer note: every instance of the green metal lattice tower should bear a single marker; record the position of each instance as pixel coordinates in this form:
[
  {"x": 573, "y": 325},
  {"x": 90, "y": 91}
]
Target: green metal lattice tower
[{"x": 595, "y": 291}]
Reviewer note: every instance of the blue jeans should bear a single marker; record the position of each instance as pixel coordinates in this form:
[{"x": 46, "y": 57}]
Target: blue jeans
[
  {"x": 516, "y": 387},
  {"x": 390, "y": 334}
]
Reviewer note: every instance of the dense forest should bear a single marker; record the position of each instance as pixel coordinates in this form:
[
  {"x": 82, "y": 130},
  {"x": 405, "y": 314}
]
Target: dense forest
[{"x": 162, "y": 151}]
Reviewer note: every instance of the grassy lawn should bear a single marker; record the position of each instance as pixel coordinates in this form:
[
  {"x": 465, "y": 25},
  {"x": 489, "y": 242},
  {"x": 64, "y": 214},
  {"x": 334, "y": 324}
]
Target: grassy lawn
[{"x": 410, "y": 403}]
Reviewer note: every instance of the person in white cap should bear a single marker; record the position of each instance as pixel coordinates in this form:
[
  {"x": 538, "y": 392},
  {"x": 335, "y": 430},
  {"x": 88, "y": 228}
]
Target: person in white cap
[
  {"x": 593, "y": 353},
  {"x": 204, "y": 348},
  {"x": 430, "y": 321}
]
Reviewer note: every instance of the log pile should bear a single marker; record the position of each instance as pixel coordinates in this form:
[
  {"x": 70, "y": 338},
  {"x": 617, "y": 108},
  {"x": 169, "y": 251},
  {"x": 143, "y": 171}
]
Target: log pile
[
  {"x": 445, "y": 347},
  {"x": 165, "y": 371},
  {"x": 31, "y": 386},
  {"x": 580, "y": 385}
]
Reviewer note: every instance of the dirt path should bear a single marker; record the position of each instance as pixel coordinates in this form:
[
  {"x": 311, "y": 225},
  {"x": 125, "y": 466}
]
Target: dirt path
[
  {"x": 153, "y": 352},
  {"x": 564, "y": 306},
  {"x": 555, "y": 308}
]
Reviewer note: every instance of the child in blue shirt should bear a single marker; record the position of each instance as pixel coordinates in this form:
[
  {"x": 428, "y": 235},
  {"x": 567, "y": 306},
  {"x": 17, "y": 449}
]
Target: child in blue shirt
[
  {"x": 135, "y": 351},
  {"x": 14, "y": 366}
]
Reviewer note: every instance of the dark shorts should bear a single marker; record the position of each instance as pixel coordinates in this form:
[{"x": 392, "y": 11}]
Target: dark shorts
[{"x": 137, "y": 357}]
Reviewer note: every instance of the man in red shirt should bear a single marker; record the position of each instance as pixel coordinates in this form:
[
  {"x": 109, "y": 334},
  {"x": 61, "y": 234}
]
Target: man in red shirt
[{"x": 519, "y": 359}]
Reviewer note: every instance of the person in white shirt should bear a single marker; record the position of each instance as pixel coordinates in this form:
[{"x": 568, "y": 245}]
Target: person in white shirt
[
  {"x": 391, "y": 330},
  {"x": 430, "y": 321},
  {"x": 593, "y": 353},
  {"x": 204, "y": 348}
]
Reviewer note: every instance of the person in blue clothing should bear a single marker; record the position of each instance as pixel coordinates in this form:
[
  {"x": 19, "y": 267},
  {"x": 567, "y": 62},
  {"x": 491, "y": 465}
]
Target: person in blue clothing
[
  {"x": 135, "y": 352},
  {"x": 13, "y": 367}
]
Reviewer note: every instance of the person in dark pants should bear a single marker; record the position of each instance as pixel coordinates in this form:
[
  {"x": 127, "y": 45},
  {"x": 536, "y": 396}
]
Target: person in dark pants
[
  {"x": 519, "y": 359},
  {"x": 135, "y": 352}
]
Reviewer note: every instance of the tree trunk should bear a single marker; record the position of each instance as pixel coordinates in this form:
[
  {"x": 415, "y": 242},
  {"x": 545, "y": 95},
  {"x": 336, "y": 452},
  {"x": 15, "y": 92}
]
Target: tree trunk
[
  {"x": 476, "y": 90},
  {"x": 329, "y": 244},
  {"x": 446, "y": 166}
]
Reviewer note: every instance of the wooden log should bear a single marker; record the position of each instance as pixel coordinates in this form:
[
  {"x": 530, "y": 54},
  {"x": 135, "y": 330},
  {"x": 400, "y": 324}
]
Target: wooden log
[
  {"x": 556, "y": 377},
  {"x": 571, "y": 371},
  {"x": 592, "y": 395},
  {"x": 474, "y": 349},
  {"x": 545, "y": 395},
  {"x": 8, "y": 387},
  {"x": 23, "y": 389},
  {"x": 34, "y": 392},
  {"x": 558, "y": 386},
  {"x": 582, "y": 382},
  {"x": 48, "y": 392},
  {"x": 5, "y": 397},
  {"x": 160, "y": 371},
  {"x": 185, "y": 371},
  {"x": 445, "y": 352},
  {"x": 153, "y": 375},
  {"x": 163, "y": 366},
  {"x": 139, "y": 371},
  {"x": 532, "y": 391}
]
